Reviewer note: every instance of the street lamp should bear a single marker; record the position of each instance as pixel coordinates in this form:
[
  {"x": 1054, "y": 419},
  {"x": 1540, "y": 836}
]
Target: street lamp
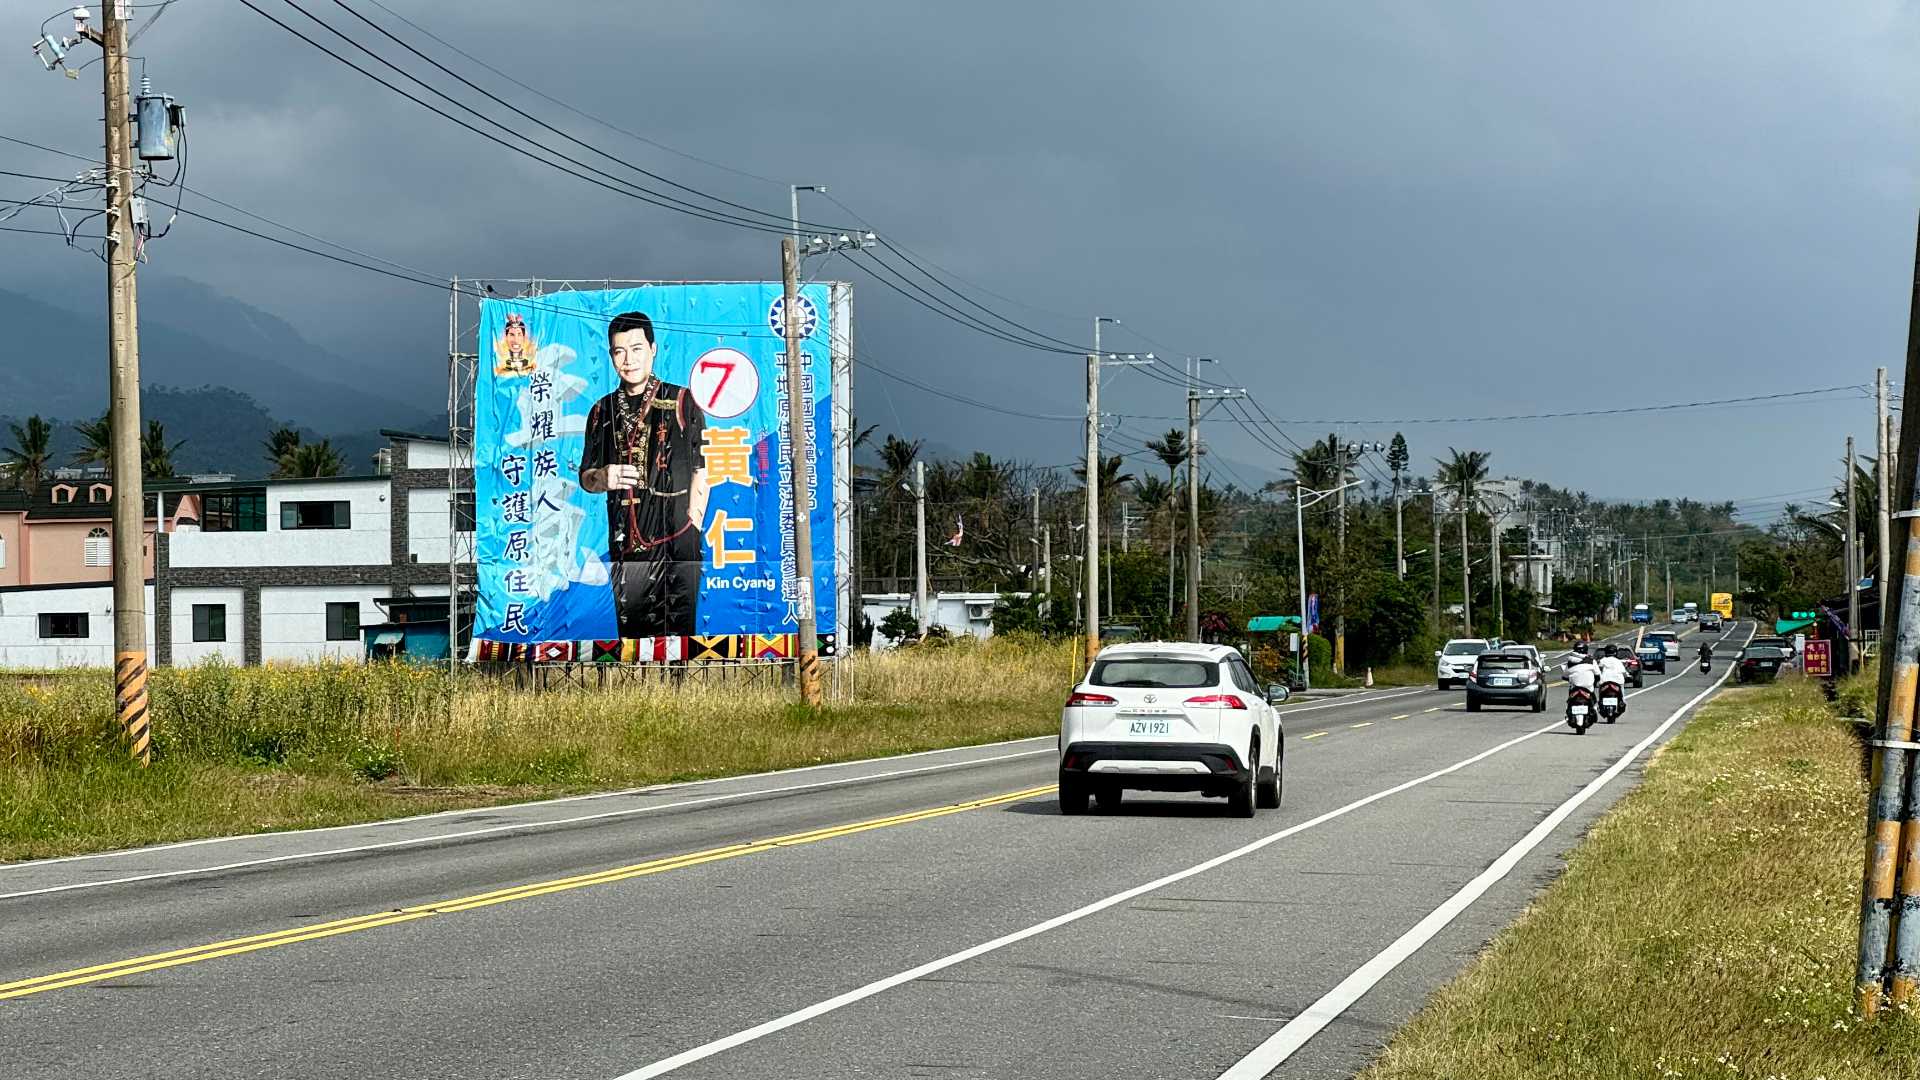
[
  {"x": 1300, "y": 504},
  {"x": 794, "y": 191}
]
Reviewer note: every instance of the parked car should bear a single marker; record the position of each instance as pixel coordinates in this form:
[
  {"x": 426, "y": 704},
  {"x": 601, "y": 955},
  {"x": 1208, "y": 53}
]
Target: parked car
[
  {"x": 1171, "y": 716},
  {"x": 1710, "y": 620},
  {"x": 1507, "y": 677},
  {"x": 1454, "y": 662},
  {"x": 1669, "y": 642},
  {"x": 1773, "y": 641},
  {"x": 1650, "y": 656},
  {"x": 1758, "y": 662}
]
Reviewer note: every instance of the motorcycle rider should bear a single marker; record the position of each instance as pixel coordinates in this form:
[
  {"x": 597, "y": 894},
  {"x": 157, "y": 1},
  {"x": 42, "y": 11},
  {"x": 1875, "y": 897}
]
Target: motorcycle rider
[
  {"x": 1706, "y": 655},
  {"x": 1580, "y": 670},
  {"x": 1613, "y": 670}
]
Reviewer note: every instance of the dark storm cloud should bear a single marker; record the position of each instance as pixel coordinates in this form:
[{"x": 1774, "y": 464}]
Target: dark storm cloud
[{"x": 1365, "y": 209}]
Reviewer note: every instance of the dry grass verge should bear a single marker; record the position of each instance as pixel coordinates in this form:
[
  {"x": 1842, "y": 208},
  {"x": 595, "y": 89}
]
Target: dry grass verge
[
  {"x": 256, "y": 749},
  {"x": 1705, "y": 928}
]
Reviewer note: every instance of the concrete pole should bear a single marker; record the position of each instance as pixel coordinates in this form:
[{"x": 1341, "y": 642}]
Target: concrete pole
[
  {"x": 1300, "y": 552},
  {"x": 920, "y": 546},
  {"x": 1340, "y": 583},
  {"x": 1466, "y": 575},
  {"x": 123, "y": 378},
  {"x": 1193, "y": 516},
  {"x": 1433, "y": 503},
  {"x": 807, "y": 654},
  {"x": 1493, "y": 565},
  {"x": 1090, "y": 569},
  {"x": 1853, "y": 565},
  {"x": 1033, "y": 579},
  {"x": 1046, "y": 571}
]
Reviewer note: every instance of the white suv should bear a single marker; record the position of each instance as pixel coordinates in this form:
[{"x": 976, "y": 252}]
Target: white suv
[
  {"x": 1171, "y": 716},
  {"x": 1453, "y": 665}
]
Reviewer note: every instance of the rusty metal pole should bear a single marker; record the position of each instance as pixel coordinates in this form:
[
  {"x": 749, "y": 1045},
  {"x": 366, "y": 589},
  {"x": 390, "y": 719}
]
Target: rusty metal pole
[{"x": 1890, "y": 767}]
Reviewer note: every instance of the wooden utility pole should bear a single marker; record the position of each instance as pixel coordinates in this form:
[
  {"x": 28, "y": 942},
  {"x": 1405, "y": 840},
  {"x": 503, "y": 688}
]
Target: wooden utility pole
[
  {"x": 123, "y": 387},
  {"x": 806, "y": 651}
]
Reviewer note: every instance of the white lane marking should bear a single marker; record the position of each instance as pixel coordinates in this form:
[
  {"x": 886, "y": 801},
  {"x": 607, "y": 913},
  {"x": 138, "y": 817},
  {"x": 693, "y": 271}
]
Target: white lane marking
[
  {"x": 1281, "y": 1044},
  {"x": 522, "y": 826},
  {"x": 1382, "y": 696},
  {"x": 821, "y": 1008},
  {"x": 589, "y": 797}
]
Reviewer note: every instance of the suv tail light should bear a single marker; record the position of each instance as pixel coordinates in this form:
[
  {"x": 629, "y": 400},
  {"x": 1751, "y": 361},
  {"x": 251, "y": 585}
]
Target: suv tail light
[
  {"x": 1081, "y": 697},
  {"x": 1218, "y": 701}
]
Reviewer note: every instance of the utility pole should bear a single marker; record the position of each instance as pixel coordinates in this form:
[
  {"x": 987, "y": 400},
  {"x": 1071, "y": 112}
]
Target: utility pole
[
  {"x": 1033, "y": 579},
  {"x": 1466, "y": 574},
  {"x": 1193, "y": 511},
  {"x": 1646, "y": 572},
  {"x": 1435, "y": 518},
  {"x": 1493, "y": 566},
  {"x": 920, "y": 547},
  {"x": 1194, "y": 397},
  {"x": 1089, "y": 565},
  {"x": 1399, "y": 531},
  {"x": 1669, "y": 566},
  {"x": 1883, "y": 482},
  {"x": 1046, "y": 572},
  {"x": 807, "y": 655},
  {"x": 123, "y": 382},
  {"x": 1853, "y": 565}
]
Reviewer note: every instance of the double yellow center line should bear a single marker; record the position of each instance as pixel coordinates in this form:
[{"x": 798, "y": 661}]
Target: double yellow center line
[{"x": 314, "y": 931}]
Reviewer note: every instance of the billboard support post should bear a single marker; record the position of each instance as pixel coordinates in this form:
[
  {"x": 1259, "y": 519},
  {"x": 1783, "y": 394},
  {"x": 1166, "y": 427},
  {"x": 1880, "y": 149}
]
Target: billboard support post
[{"x": 806, "y": 652}]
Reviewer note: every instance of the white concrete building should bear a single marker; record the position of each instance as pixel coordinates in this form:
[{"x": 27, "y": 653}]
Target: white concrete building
[
  {"x": 58, "y": 626},
  {"x": 970, "y": 614},
  {"x": 265, "y": 570}
]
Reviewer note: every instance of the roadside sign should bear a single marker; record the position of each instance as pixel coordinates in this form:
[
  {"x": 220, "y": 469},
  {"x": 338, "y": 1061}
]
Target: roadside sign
[
  {"x": 1818, "y": 658},
  {"x": 1313, "y": 612}
]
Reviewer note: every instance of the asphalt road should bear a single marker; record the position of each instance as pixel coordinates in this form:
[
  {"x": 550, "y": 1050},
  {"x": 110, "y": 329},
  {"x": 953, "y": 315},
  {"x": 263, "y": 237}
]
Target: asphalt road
[{"x": 931, "y": 915}]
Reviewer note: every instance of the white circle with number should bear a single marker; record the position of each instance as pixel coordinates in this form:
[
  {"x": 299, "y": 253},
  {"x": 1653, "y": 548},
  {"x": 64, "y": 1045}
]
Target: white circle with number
[{"x": 724, "y": 382}]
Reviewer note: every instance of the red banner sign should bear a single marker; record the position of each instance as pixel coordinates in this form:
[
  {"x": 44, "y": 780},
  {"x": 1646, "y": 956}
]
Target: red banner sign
[{"x": 1819, "y": 658}]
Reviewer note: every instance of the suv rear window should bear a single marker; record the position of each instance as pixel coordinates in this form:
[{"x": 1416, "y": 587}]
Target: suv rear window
[
  {"x": 1503, "y": 662},
  {"x": 1155, "y": 672},
  {"x": 1465, "y": 648}
]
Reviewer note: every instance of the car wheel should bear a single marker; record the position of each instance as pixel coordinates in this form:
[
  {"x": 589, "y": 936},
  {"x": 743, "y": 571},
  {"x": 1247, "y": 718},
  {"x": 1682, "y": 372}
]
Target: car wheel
[
  {"x": 1073, "y": 796},
  {"x": 1540, "y": 703},
  {"x": 1473, "y": 703},
  {"x": 1441, "y": 684},
  {"x": 1240, "y": 799},
  {"x": 1267, "y": 797},
  {"x": 1108, "y": 797}
]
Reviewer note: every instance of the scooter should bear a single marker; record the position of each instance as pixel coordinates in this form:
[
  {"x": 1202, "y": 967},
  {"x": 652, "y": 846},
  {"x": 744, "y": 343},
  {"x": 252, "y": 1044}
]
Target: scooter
[
  {"x": 1579, "y": 709},
  {"x": 1611, "y": 702},
  {"x": 1706, "y": 663}
]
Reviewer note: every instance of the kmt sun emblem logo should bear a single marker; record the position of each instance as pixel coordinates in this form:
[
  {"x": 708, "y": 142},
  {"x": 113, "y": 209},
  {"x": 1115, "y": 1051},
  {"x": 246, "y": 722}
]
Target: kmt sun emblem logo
[{"x": 777, "y": 317}]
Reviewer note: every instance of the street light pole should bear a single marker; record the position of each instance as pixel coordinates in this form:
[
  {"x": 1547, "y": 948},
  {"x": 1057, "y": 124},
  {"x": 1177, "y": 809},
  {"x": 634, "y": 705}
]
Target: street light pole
[
  {"x": 1300, "y": 504},
  {"x": 794, "y": 191}
]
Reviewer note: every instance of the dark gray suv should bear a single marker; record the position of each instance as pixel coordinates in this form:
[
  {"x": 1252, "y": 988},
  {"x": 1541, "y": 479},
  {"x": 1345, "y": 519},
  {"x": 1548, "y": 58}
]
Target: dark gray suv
[{"x": 1505, "y": 677}]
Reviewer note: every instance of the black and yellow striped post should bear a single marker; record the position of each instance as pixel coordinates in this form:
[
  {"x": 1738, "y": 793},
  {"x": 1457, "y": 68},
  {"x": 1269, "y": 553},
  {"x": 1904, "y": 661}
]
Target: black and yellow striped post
[{"x": 130, "y": 698}]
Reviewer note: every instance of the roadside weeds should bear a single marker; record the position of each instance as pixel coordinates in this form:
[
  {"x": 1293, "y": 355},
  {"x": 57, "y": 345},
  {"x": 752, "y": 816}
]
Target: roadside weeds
[{"x": 1705, "y": 927}]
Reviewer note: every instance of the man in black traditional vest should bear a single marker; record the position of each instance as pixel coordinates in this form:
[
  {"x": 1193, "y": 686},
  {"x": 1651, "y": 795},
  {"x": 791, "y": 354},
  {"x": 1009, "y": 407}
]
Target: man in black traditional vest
[{"x": 643, "y": 451}]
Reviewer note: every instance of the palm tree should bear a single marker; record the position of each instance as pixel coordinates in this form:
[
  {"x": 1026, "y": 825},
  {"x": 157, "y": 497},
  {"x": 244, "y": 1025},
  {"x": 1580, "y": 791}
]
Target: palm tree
[
  {"x": 1461, "y": 476},
  {"x": 1111, "y": 479},
  {"x": 96, "y": 442},
  {"x": 312, "y": 459},
  {"x": 281, "y": 442},
  {"x": 156, "y": 455},
  {"x": 1317, "y": 467},
  {"x": 1171, "y": 449},
  {"x": 31, "y": 450}
]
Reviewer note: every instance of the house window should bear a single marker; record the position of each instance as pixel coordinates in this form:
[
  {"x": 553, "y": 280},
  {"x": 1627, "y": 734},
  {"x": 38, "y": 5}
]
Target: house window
[
  {"x": 99, "y": 493},
  {"x": 62, "y": 494},
  {"x": 99, "y": 549},
  {"x": 343, "y": 622},
  {"x": 463, "y": 511},
  {"x": 209, "y": 622},
  {"x": 233, "y": 511},
  {"x": 315, "y": 515},
  {"x": 63, "y": 624}
]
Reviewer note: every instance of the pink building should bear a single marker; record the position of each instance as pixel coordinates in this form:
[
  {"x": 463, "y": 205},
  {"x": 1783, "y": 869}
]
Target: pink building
[{"x": 63, "y": 534}]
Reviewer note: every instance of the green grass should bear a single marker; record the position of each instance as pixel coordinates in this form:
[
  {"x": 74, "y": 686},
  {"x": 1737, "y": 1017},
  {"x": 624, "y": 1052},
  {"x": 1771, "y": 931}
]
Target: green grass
[
  {"x": 1705, "y": 927},
  {"x": 253, "y": 749}
]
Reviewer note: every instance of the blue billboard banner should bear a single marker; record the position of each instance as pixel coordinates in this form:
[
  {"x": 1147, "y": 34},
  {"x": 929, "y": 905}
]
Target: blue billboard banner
[{"x": 632, "y": 494}]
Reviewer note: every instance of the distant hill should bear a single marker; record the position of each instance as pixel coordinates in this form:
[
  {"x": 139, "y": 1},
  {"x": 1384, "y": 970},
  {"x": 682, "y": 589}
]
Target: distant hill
[{"x": 53, "y": 361}]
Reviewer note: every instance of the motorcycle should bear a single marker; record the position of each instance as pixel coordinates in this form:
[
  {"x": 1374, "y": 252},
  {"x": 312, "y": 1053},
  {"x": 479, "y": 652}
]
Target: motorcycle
[
  {"x": 1706, "y": 664},
  {"x": 1611, "y": 703},
  {"x": 1579, "y": 709}
]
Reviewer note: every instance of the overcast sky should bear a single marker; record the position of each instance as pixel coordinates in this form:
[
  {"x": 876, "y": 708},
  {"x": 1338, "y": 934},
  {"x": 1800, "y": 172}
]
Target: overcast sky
[{"x": 1363, "y": 210}]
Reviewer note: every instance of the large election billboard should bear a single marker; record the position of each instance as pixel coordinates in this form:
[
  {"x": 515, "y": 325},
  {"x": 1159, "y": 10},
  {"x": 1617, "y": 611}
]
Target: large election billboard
[{"x": 632, "y": 495}]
